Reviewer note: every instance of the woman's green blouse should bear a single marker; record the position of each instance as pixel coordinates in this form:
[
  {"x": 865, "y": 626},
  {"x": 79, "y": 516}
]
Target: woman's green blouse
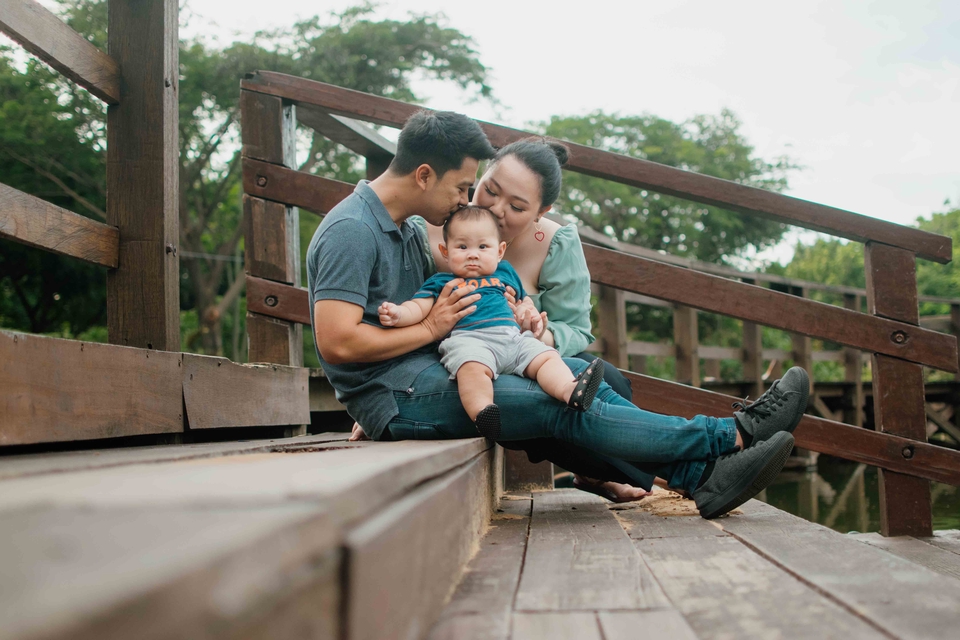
[{"x": 563, "y": 289}]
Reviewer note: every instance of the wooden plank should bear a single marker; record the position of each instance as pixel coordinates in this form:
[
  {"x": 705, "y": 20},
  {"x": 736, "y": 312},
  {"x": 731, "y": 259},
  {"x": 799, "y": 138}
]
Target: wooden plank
[
  {"x": 219, "y": 393},
  {"x": 687, "y": 340},
  {"x": 645, "y": 625},
  {"x": 268, "y": 241},
  {"x": 898, "y": 394},
  {"x": 843, "y": 441},
  {"x": 636, "y": 348},
  {"x": 353, "y": 134},
  {"x": 482, "y": 604},
  {"x": 903, "y": 598},
  {"x": 627, "y": 170},
  {"x": 37, "y": 223},
  {"x": 278, "y": 300},
  {"x": 270, "y": 341},
  {"x": 404, "y": 561},
  {"x": 556, "y": 626},
  {"x": 916, "y": 550},
  {"x": 725, "y": 590},
  {"x": 947, "y": 540},
  {"x": 273, "y": 182},
  {"x": 770, "y": 308},
  {"x": 579, "y": 558},
  {"x": 44, "y": 35},
  {"x": 522, "y": 475},
  {"x": 708, "y": 352},
  {"x": 57, "y": 390},
  {"x": 663, "y": 515},
  {"x": 170, "y": 572},
  {"x": 612, "y": 320},
  {"x": 941, "y": 422},
  {"x": 143, "y": 157},
  {"x": 263, "y": 121}
]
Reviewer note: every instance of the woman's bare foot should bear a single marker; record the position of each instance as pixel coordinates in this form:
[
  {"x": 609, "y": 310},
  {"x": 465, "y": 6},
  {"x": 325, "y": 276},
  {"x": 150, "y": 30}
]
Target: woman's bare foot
[{"x": 612, "y": 491}]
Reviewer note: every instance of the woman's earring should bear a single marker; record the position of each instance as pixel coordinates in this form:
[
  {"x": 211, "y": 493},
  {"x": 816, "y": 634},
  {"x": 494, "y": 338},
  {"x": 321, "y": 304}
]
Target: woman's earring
[{"x": 538, "y": 234}]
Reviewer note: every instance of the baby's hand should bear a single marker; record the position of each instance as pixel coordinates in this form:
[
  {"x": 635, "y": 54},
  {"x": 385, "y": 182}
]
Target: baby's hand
[{"x": 389, "y": 314}]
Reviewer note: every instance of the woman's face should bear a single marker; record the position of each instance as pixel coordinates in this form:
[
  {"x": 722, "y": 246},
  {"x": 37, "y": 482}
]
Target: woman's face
[{"x": 512, "y": 191}]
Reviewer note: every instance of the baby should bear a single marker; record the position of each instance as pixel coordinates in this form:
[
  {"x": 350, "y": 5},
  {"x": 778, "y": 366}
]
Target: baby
[{"x": 488, "y": 342}]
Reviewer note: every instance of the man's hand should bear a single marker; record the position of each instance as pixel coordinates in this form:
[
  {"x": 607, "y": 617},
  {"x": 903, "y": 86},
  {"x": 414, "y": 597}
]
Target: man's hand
[
  {"x": 452, "y": 305},
  {"x": 389, "y": 314},
  {"x": 357, "y": 433}
]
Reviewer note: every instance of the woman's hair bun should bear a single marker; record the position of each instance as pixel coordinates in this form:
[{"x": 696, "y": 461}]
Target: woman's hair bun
[{"x": 560, "y": 150}]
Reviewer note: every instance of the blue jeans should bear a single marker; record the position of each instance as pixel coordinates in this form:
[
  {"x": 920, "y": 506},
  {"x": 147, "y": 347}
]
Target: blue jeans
[{"x": 673, "y": 448}]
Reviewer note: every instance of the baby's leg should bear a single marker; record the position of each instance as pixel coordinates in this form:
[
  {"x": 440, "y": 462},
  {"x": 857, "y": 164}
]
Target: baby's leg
[
  {"x": 475, "y": 384},
  {"x": 552, "y": 374}
]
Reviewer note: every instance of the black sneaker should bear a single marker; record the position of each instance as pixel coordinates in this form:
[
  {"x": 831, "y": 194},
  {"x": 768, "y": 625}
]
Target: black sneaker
[
  {"x": 779, "y": 409},
  {"x": 737, "y": 477}
]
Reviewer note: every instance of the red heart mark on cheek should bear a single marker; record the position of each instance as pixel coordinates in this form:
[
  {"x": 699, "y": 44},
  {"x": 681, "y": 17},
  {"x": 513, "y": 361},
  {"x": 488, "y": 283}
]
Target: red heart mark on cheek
[{"x": 539, "y": 236}]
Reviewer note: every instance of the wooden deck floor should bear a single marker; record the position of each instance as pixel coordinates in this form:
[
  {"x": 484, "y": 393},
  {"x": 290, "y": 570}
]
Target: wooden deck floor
[{"x": 565, "y": 564}]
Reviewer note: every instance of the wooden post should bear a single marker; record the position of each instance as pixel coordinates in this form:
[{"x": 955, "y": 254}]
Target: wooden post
[
  {"x": 271, "y": 229},
  {"x": 612, "y": 318},
  {"x": 853, "y": 372},
  {"x": 687, "y": 339},
  {"x": 753, "y": 355},
  {"x": 143, "y": 292},
  {"x": 955, "y": 327},
  {"x": 898, "y": 393},
  {"x": 802, "y": 351}
]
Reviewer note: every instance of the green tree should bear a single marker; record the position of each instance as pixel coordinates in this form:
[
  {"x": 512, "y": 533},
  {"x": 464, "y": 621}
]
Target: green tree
[{"x": 711, "y": 145}]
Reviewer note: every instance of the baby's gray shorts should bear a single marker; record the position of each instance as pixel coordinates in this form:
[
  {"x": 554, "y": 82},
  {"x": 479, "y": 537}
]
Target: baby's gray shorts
[{"x": 502, "y": 349}]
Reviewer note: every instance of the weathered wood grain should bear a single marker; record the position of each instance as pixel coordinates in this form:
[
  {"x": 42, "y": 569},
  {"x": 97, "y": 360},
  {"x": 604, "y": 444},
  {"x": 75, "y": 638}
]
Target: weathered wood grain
[
  {"x": 860, "y": 445},
  {"x": 687, "y": 340},
  {"x": 220, "y": 393},
  {"x": 770, "y": 308},
  {"x": 575, "y": 540},
  {"x": 143, "y": 168},
  {"x": 898, "y": 393},
  {"x": 642, "y": 524},
  {"x": 522, "y": 475},
  {"x": 165, "y": 572},
  {"x": 44, "y": 35},
  {"x": 268, "y": 243},
  {"x": 264, "y": 121},
  {"x": 481, "y": 606},
  {"x": 643, "y": 625},
  {"x": 724, "y": 590},
  {"x": 277, "y": 300},
  {"x": 905, "y": 599},
  {"x": 404, "y": 561},
  {"x": 33, "y": 222},
  {"x": 556, "y": 626},
  {"x": 916, "y": 550},
  {"x": 628, "y": 170},
  {"x": 59, "y": 390},
  {"x": 272, "y": 340},
  {"x": 273, "y": 182},
  {"x": 948, "y": 540}
]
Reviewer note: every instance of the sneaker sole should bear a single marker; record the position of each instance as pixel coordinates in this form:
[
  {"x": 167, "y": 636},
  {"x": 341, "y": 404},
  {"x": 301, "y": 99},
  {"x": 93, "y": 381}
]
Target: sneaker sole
[{"x": 753, "y": 483}]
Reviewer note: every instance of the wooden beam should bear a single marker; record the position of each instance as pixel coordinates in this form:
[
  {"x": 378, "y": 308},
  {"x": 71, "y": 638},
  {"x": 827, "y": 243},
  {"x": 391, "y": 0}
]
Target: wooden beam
[
  {"x": 143, "y": 157},
  {"x": 687, "y": 339},
  {"x": 833, "y": 438},
  {"x": 278, "y": 300},
  {"x": 273, "y": 182},
  {"x": 54, "y": 390},
  {"x": 627, "y": 170},
  {"x": 46, "y": 36},
  {"x": 898, "y": 395},
  {"x": 219, "y": 393},
  {"x": 853, "y": 372},
  {"x": 269, "y": 242},
  {"x": 353, "y": 134},
  {"x": 612, "y": 321},
  {"x": 37, "y": 223},
  {"x": 771, "y": 308}
]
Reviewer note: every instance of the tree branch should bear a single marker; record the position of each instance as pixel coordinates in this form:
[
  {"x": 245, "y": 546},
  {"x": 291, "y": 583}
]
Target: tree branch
[{"x": 97, "y": 211}]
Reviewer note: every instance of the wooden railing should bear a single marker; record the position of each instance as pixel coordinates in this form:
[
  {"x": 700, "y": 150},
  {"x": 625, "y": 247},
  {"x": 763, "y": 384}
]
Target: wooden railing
[
  {"x": 272, "y": 103},
  {"x": 54, "y": 390}
]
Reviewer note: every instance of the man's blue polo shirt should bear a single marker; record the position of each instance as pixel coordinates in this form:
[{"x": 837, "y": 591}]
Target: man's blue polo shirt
[{"x": 359, "y": 255}]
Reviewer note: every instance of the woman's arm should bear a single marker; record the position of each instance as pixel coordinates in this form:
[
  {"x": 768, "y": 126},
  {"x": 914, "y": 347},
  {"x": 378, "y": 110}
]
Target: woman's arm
[{"x": 565, "y": 297}]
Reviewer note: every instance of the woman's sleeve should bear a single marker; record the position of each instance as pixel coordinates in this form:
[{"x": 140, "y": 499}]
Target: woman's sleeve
[
  {"x": 429, "y": 266},
  {"x": 565, "y": 292}
]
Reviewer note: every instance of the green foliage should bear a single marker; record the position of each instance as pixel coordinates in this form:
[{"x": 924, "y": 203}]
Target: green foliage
[{"x": 711, "y": 145}]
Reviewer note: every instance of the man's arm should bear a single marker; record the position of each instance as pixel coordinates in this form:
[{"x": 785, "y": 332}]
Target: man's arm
[{"x": 342, "y": 337}]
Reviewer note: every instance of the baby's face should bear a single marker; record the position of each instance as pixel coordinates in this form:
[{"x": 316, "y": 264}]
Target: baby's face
[{"x": 474, "y": 247}]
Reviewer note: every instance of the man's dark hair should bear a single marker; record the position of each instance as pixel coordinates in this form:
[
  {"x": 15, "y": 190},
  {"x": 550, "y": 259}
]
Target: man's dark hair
[
  {"x": 441, "y": 139},
  {"x": 471, "y": 212}
]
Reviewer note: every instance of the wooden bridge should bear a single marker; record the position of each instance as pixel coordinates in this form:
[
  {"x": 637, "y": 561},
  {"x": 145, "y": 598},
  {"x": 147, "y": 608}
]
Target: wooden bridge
[{"x": 223, "y": 532}]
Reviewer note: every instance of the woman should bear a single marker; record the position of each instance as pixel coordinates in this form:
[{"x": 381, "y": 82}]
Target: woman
[{"x": 520, "y": 186}]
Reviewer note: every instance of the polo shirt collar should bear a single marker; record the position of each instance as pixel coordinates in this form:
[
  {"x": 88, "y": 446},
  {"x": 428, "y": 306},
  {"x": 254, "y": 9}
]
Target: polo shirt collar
[{"x": 387, "y": 225}]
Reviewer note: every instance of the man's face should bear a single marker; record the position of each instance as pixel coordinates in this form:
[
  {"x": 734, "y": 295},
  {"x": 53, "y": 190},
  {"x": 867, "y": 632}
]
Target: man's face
[{"x": 449, "y": 193}]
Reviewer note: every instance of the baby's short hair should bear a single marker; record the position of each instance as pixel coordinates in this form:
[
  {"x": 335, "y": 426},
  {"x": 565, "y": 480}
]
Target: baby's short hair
[{"x": 471, "y": 212}]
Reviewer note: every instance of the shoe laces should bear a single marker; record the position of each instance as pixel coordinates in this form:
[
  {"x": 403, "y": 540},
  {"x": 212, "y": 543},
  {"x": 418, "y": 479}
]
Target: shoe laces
[{"x": 763, "y": 406}]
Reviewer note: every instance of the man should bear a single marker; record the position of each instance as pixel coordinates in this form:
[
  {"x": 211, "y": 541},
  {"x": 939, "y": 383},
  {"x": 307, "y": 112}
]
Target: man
[{"x": 367, "y": 251}]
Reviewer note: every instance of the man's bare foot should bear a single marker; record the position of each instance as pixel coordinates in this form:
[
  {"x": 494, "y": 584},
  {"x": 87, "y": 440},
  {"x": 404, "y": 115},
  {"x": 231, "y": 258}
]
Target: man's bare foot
[{"x": 612, "y": 491}]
